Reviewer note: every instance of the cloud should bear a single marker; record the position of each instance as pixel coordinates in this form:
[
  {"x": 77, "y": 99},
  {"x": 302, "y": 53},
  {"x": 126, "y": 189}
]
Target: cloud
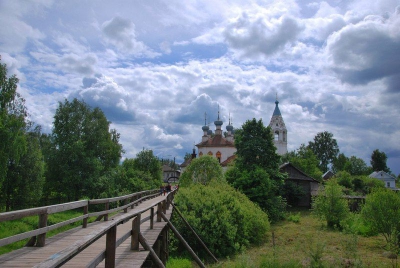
[
  {"x": 103, "y": 92},
  {"x": 120, "y": 33},
  {"x": 366, "y": 51},
  {"x": 255, "y": 36}
]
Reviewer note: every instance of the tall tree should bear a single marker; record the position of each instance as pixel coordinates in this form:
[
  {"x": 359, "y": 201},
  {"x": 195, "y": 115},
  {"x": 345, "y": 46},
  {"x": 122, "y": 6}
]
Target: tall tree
[
  {"x": 24, "y": 183},
  {"x": 12, "y": 122},
  {"x": 325, "y": 148},
  {"x": 256, "y": 170},
  {"x": 85, "y": 148},
  {"x": 339, "y": 162},
  {"x": 255, "y": 147},
  {"x": 202, "y": 170},
  {"x": 356, "y": 166},
  {"x": 146, "y": 161},
  {"x": 378, "y": 161}
]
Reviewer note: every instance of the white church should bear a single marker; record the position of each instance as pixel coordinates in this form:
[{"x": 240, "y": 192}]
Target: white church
[{"x": 223, "y": 146}]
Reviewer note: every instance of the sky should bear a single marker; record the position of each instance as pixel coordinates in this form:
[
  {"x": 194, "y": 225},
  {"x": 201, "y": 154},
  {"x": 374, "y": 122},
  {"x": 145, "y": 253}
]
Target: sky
[{"x": 156, "y": 67}]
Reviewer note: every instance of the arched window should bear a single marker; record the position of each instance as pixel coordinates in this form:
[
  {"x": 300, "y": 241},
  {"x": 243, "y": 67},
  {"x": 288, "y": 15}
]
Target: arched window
[
  {"x": 284, "y": 136},
  {"x": 210, "y": 153},
  {"x": 201, "y": 154},
  {"x": 276, "y": 135}
]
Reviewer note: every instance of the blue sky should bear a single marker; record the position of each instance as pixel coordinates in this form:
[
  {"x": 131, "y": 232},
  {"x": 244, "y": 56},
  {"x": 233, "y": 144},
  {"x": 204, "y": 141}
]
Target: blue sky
[{"x": 154, "y": 67}]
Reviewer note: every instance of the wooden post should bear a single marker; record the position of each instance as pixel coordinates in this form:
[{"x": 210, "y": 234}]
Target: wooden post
[
  {"x": 159, "y": 211},
  {"x": 41, "y": 239},
  {"x": 132, "y": 198},
  {"x": 186, "y": 245},
  {"x": 125, "y": 203},
  {"x": 163, "y": 248},
  {"x": 153, "y": 254},
  {"x": 85, "y": 212},
  {"x": 164, "y": 207},
  {"x": 152, "y": 218},
  {"x": 135, "y": 233},
  {"x": 107, "y": 207},
  {"x": 111, "y": 247},
  {"x": 157, "y": 247}
]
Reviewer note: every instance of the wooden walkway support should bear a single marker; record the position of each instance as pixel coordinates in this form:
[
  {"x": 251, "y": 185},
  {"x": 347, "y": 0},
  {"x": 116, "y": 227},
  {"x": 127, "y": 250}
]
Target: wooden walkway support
[{"x": 105, "y": 243}]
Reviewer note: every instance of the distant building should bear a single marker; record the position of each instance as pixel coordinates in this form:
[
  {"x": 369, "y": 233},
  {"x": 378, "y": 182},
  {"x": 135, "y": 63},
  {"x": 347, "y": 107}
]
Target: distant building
[
  {"x": 327, "y": 175},
  {"x": 170, "y": 174},
  {"x": 279, "y": 130},
  {"x": 223, "y": 146},
  {"x": 309, "y": 185},
  {"x": 388, "y": 180}
]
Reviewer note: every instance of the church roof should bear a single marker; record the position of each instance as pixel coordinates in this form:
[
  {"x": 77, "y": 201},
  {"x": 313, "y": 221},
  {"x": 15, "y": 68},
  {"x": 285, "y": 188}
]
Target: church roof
[
  {"x": 276, "y": 111},
  {"x": 216, "y": 141}
]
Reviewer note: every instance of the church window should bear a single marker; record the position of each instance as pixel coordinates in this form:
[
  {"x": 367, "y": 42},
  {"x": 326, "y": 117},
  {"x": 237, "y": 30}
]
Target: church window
[
  {"x": 210, "y": 153},
  {"x": 276, "y": 136},
  {"x": 201, "y": 154}
]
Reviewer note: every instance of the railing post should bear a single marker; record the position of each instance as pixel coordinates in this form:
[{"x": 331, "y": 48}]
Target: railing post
[
  {"x": 164, "y": 207},
  {"x": 131, "y": 200},
  {"x": 152, "y": 218},
  {"x": 135, "y": 233},
  {"x": 159, "y": 211},
  {"x": 41, "y": 239},
  {"x": 111, "y": 247},
  {"x": 85, "y": 212},
  {"x": 125, "y": 203},
  {"x": 107, "y": 207}
]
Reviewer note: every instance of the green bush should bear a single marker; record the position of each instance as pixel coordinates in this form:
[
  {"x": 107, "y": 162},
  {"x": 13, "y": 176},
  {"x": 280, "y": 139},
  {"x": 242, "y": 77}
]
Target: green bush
[
  {"x": 329, "y": 205},
  {"x": 226, "y": 220},
  {"x": 179, "y": 263}
]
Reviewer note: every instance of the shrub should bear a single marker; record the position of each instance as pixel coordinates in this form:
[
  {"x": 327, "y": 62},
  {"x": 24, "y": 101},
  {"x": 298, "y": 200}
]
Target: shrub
[
  {"x": 330, "y": 205},
  {"x": 226, "y": 220}
]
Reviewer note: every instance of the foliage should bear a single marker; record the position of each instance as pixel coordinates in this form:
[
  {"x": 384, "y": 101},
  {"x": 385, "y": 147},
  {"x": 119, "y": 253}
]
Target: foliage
[
  {"x": 356, "y": 166},
  {"x": 24, "y": 183},
  {"x": 305, "y": 159},
  {"x": 255, "y": 147},
  {"x": 134, "y": 179},
  {"x": 378, "y": 161},
  {"x": 13, "y": 113},
  {"x": 179, "y": 263},
  {"x": 256, "y": 169},
  {"x": 260, "y": 188},
  {"x": 325, "y": 148},
  {"x": 292, "y": 192},
  {"x": 339, "y": 162},
  {"x": 225, "y": 219},
  {"x": 84, "y": 150},
  {"x": 202, "y": 170},
  {"x": 329, "y": 205},
  {"x": 382, "y": 213},
  {"x": 147, "y": 163}
]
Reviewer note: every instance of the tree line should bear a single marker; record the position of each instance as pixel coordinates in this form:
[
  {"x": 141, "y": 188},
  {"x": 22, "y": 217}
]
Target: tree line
[{"x": 79, "y": 159}]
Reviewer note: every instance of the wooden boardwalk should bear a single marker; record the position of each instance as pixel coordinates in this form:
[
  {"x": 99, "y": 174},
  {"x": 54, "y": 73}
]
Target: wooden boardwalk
[{"x": 58, "y": 245}]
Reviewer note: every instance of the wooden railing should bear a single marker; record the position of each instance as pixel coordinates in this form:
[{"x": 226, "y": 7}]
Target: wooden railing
[{"x": 38, "y": 237}]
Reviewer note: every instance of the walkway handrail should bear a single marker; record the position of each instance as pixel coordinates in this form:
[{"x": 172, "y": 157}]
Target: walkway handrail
[{"x": 43, "y": 213}]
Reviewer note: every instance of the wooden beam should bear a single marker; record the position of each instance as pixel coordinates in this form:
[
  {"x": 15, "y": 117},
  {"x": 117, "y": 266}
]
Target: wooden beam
[
  {"x": 111, "y": 247},
  {"x": 153, "y": 254},
  {"x": 185, "y": 244}
]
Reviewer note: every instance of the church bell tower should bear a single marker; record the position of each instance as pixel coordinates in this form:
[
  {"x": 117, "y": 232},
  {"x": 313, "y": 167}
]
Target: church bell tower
[{"x": 279, "y": 130}]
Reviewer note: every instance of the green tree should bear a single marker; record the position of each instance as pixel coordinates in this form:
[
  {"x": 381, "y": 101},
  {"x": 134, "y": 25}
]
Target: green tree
[
  {"x": 382, "y": 213},
  {"x": 24, "y": 183},
  {"x": 378, "y": 161},
  {"x": 305, "y": 159},
  {"x": 325, "y": 148},
  {"x": 339, "y": 163},
  {"x": 329, "y": 205},
  {"x": 256, "y": 170},
  {"x": 202, "y": 170},
  {"x": 146, "y": 162},
  {"x": 85, "y": 149},
  {"x": 12, "y": 123},
  {"x": 356, "y": 166},
  {"x": 255, "y": 147}
]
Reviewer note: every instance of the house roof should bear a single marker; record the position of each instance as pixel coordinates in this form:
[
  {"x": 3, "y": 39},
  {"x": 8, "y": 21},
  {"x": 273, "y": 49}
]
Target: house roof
[
  {"x": 216, "y": 141},
  {"x": 327, "y": 175},
  {"x": 382, "y": 175},
  {"x": 297, "y": 174},
  {"x": 186, "y": 162},
  {"x": 228, "y": 160}
]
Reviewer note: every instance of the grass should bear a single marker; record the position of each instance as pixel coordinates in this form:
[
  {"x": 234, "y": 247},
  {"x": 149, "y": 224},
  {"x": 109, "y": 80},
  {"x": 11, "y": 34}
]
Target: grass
[
  {"x": 304, "y": 241},
  {"x": 14, "y": 227}
]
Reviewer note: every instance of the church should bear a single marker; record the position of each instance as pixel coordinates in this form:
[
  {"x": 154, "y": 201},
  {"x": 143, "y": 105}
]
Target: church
[{"x": 222, "y": 145}]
